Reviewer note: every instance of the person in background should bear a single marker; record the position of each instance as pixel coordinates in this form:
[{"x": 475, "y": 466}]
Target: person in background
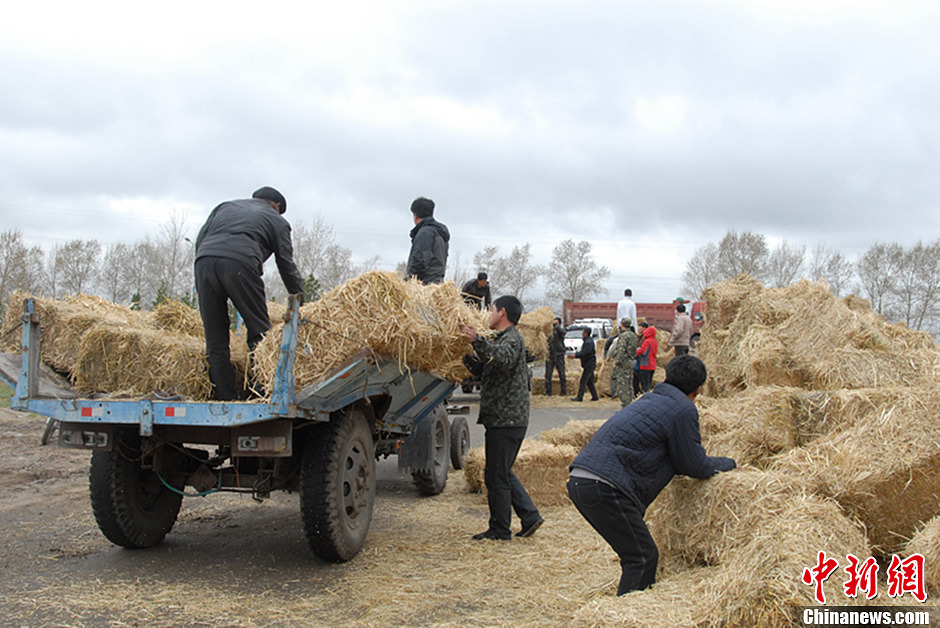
[
  {"x": 626, "y": 308},
  {"x": 556, "y": 359},
  {"x": 632, "y": 458},
  {"x": 231, "y": 249},
  {"x": 624, "y": 356},
  {"x": 501, "y": 366},
  {"x": 588, "y": 356},
  {"x": 681, "y": 334},
  {"x": 646, "y": 356},
  {"x": 476, "y": 292},
  {"x": 430, "y": 239}
]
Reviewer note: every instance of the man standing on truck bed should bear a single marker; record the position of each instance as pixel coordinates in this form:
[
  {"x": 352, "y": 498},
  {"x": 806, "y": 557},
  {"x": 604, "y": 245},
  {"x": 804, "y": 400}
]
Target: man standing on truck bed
[
  {"x": 231, "y": 249},
  {"x": 429, "y": 241},
  {"x": 500, "y": 364}
]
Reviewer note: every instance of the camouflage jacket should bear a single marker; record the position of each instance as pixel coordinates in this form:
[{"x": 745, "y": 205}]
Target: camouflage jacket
[
  {"x": 501, "y": 366},
  {"x": 625, "y": 351}
]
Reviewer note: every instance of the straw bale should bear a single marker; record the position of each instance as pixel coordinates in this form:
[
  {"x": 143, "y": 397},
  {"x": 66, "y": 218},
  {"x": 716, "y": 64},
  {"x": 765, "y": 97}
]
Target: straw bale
[
  {"x": 541, "y": 467},
  {"x": 419, "y": 325},
  {"x": 571, "y": 381},
  {"x": 179, "y": 317},
  {"x": 723, "y": 300},
  {"x": 536, "y": 327},
  {"x": 706, "y": 521},
  {"x": 577, "y": 434},
  {"x": 886, "y": 457},
  {"x": 927, "y": 543},
  {"x": 64, "y": 323},
  {"x": 138, "y": 361},
  {"x": 277, "y": 311}
]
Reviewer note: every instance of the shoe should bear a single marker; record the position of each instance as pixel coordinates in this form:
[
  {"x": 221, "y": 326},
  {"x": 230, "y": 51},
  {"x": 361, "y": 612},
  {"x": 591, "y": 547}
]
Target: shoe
[
  {"x": 576, "y": 399},
  {"x": 529, "y": 530},
  {"x": 490, "y": 535},
  {"x": 596, "y": 399}
]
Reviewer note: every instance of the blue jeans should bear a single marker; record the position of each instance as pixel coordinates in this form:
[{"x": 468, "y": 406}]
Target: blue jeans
[
  {"x": 504, "y": 491},
  {"x": 619, "y": 519}
]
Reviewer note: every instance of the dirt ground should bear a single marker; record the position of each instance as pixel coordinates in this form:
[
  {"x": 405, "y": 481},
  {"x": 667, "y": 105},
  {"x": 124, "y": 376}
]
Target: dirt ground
[{"x": 230, "y": 561}]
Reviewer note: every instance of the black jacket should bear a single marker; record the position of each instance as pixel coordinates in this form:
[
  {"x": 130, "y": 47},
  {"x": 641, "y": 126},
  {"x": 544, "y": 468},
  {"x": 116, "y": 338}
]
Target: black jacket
[
  {"x": 428, "y": 258},
  {"x": 587, "y": 354},
  {"x": 556, "y": 344},
  {"x": 249, "y": 231},
  {"x": 473, "y": 294},
  {"x": 641, "y": 448}
]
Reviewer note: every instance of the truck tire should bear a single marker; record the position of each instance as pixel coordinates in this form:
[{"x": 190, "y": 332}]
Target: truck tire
[
  {"x": 466, "y": 388},
  {"x": 459, "y": 442},
  {"x": 133, "y": 508},
  {"x": 432, "y": 481},
  {"x": 337, "y": 486}
]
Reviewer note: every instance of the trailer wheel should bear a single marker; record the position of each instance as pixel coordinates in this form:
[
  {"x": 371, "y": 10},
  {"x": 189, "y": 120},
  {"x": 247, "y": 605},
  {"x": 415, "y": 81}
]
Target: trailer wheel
[
  {"x": 432, "y": 481},
  {"x": 337, "y": 486},
  {"x": 133, "y": 508},
  {"x": 459, "y": 441}
]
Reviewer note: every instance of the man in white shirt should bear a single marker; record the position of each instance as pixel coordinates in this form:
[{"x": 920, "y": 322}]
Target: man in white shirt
[{"x": 626, "y": 308}]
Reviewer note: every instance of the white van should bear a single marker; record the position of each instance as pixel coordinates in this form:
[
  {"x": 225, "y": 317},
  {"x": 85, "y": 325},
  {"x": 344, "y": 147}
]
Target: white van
[{"x": 600, "y": 328}]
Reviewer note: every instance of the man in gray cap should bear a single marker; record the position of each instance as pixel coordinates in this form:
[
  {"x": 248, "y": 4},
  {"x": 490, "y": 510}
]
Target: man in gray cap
[
  {"x": 429, "y": 241},
  {"x": 231, "y": 249}
]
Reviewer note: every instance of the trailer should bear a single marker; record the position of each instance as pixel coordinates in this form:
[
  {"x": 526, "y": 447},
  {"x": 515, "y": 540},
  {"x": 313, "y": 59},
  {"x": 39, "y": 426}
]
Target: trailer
[{"x": 323, "y": 442}]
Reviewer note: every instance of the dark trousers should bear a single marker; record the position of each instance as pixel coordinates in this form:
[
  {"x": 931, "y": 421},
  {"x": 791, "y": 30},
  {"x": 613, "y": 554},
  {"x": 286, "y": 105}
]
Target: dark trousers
[
  {"x": 555, "y": 362},
  {"x": 619, "y": 519},
  {"x": 646, "y": 380},
  {"x": 504, "y": 491},
  {"x": 587, "y": 382},
  {"x": 219, "y": 279},
  {"x": 681, "y": 350}
]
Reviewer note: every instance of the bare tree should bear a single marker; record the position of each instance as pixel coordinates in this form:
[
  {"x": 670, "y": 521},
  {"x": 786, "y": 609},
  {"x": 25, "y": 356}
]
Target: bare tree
[
  {"x": 141, "y": 272},
  {"x": 76, "y": 264},
  {"x": 742, "y": 253},
  {"x": 15, "y": 260},
  {"x": 918, "y": 284},
  {"x": 702, "y": 270},
  {"x": 173, "y": 258},
  {"x": 573, "y": 274},
  {"x": 784, "y": 265},
  {"x": 878, "y": 271},
  {"x": 832, "y": 267},
  {"x": 113, "y": 278},
  {"x": 516, "y": 274}
]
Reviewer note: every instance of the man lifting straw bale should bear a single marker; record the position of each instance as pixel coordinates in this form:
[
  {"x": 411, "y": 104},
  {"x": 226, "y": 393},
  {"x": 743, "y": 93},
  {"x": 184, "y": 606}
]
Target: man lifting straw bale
[{"x": 632, "y": 458}]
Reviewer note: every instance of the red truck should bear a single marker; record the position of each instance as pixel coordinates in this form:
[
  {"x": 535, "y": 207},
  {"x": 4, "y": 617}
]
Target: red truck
[{"x": 659, "y": 315}]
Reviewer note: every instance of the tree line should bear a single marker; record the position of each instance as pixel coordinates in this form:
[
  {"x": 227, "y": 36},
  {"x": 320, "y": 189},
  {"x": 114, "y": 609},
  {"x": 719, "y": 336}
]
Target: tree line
[{"x": 902, "y": 283}]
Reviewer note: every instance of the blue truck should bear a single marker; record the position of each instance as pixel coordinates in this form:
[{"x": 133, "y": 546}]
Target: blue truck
[{"x": 322, "y": 442}]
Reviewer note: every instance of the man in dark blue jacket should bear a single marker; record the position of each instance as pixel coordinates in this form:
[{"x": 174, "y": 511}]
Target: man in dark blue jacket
[
  {"x": 231, "y": 249},
  {"x": 429, "y": 243},
  {"x": 632, "y": 458},
  {"x": 588, "y": 356}
]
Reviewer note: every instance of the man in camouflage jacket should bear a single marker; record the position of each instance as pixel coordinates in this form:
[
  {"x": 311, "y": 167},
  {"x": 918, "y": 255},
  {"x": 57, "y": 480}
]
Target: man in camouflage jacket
[
  {"x": 624, "y": 356},
  {"x": 500, "y": 364}
]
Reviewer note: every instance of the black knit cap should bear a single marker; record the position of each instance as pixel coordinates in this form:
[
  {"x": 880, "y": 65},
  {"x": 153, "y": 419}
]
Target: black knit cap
[
  {"x": 422, "y": 207},
  {"x": 270, "y": 194}
]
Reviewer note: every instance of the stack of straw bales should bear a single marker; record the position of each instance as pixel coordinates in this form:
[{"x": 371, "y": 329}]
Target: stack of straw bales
[
  {"x": 927, "y": 543},
  {"x": 109, "y": 348},
  {"x": 419, "y": 325},
  {"x": 541, "y": 468}
]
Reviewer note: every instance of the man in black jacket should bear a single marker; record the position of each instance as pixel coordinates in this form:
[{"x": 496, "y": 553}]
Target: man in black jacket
[
  {"x": 632, "y": 458},
  {"x": 429, "y": 242},
  {"x": 476, "y": 292},
  {"x": 231, "y": 249},
  {"x": 556, "y": 358},
  {"x": 588, "y": 356}
]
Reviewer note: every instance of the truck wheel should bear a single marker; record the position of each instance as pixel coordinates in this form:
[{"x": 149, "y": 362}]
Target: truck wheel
[
  {"x": 133, "y": 508},
  {"x": 466, "y": 388},
  {"x": 337, "y": 486},
  {"x": 459, "y": 442},
  {"x": 432, "y": 481}
]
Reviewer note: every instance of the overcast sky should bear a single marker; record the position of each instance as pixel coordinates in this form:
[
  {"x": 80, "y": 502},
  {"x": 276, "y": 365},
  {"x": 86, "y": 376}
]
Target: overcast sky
[{"x": 646, "y": 128}]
